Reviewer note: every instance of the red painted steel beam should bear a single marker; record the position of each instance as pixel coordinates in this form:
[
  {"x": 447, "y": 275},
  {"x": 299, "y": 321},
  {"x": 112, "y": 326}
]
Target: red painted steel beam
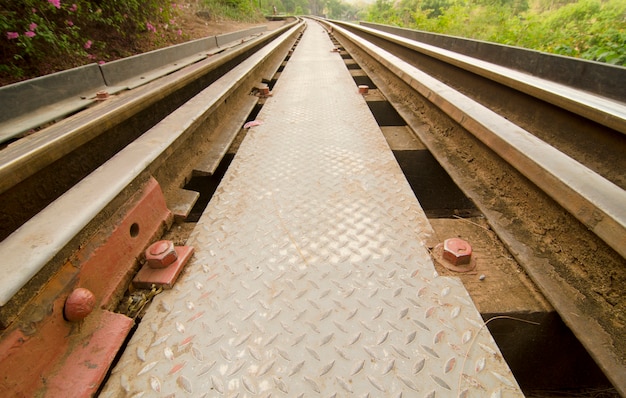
[{"x": 44, "y": 354}]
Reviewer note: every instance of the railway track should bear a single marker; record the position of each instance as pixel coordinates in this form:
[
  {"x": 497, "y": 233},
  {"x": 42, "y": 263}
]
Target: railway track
[
  {"x": 556, "y": 251},
  {"x": 542, "y": 160}
]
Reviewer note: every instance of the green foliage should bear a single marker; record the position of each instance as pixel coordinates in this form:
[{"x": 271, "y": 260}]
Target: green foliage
[
  {"x": 383, "y": 11},
  {"x": 333, "y": 9},
  {"x": 35, "y": 31},
  {"x": 238, "y": 10},
  {"x": 296, "y": 7},
  {"x": 435, "y": 8},
  {"x": 590, "y": 29}
]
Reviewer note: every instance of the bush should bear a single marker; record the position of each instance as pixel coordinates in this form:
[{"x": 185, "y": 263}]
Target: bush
[
  {"x": 593, "y": 30},
  {"x": 37, "y": 33},
  {"x": 238, "y": 10},
  {"x": 590, "y": 29}
]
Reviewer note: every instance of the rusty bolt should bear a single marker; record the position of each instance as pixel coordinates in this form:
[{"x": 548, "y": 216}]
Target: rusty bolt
[
  {"x": 263, "y": 89},
  {"x": 102, "y": 95},
  {"x": 79, "y": 304},
  {"x": 363, "y": 89},
  {"x": 161, "y": 254},
  {"x": 457, "y": 251}
]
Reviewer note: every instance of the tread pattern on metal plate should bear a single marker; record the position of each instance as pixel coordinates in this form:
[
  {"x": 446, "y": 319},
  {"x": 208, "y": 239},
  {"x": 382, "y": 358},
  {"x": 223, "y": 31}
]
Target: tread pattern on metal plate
[{"x": 310, "y": 278}]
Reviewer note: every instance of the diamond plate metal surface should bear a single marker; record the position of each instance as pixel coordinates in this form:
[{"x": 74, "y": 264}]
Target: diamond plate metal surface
[{"x": 310, "y": 278}]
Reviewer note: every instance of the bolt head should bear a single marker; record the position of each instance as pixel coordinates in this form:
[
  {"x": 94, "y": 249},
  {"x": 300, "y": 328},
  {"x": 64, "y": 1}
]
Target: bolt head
[
  {"x": 262, "y": 88},
  {"x": 161, "y": 254},
  {"x": 457, "y": 251},
  {"x": 102, "y": 95},
  {"x": 79, "y": 304}
]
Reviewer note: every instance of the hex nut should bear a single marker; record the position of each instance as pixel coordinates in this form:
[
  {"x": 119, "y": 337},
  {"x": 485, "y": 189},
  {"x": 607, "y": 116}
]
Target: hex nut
[
  {"x": 457, "y": 251},
  {"x": 161, "y": 254},
  {"x": 262, "y": 89},
  {"x": 102, "y": 95},
  {"x": 79, "y": 304}
]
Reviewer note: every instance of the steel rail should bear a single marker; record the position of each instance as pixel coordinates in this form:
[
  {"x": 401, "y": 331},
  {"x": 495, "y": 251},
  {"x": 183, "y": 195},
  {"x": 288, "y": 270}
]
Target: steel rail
[
  {"x": 596, "y": 202},
  {"x": 589, "y": 76},
  {"x": 591, "y": 143},
  {"x": 606, "y": 111},
  {"x": 31, "y": 154},
  {"x": 50, "y": 98},
  {"x": 38, "y": 241}
]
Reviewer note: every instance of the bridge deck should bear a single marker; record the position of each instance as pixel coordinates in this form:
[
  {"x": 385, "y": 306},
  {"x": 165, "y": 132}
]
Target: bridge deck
[{"x": 310, "y": 275}]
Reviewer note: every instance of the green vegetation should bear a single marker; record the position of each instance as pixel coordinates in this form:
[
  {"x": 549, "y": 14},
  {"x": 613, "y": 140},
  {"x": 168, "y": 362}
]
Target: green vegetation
[
  {"x": 42, "y": 36},
  {"x": 236, "y": 10},
  {"x": 589, "y": 29},
  {"x": 333, "y": 9},
  {"x": 38, "y": 37},
  {"x": 67, "y": 33}
]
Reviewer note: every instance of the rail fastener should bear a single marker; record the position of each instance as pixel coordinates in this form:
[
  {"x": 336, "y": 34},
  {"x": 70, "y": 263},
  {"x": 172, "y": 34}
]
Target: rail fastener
[
  {"x": 79, "y": 304},
  {"x": 455, "y": 254},
  {"x": 102, "y": 95},
  {"x": 161, "y": 254},
  {"x": 164, "y": 263},
  {"x": 457, "y": 251}
]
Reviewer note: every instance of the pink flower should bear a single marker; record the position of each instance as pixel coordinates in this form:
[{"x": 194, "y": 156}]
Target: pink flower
[
  {"x": 180, "y": 32},
  {"x": 32, "y": 26},
  {"x": 88, "y": 44},
  {"x": 73, "y": 8},
  {"x": 12, "y": 35},
  {"x": 91, "y": 56},
  {"x": 34, "y": 11},
  {"x": 56, "y": 3},
  {"x": 29, "y": 34},
  {"x": 69, "y": 23},
  {"x": 101, "y": 62},
  {"x": 150, "y": 27}
]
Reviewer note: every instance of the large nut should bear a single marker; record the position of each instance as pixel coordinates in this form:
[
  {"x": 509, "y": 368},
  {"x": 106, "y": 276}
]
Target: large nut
[
  {"x": 263, "y": 89},
  {"x": 79, "y": 304},
  {"x": 102, "y": 95},
  {"x": 161, "y": 254},
  {"x": 457, "y": 251}
]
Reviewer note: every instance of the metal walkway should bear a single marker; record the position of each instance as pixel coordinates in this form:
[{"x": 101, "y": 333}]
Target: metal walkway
[{"x": 310, "y": 277}]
